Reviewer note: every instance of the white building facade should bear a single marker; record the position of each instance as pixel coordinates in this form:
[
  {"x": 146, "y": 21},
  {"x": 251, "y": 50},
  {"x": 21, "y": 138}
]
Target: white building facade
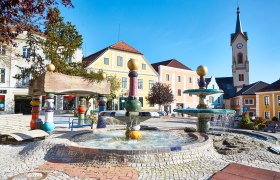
[{"x": 14, "y": 93}]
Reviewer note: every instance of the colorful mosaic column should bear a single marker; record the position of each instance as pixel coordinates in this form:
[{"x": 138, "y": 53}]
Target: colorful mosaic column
[
  {"x": 81, "y": 111},
  {"x": 48, "y": 126},
  {"x": 203, "y": 123},
  {"x": 35, "y": 103},
  {"x": 133, "y": 105},
  {"x": 101, "y": 123}
]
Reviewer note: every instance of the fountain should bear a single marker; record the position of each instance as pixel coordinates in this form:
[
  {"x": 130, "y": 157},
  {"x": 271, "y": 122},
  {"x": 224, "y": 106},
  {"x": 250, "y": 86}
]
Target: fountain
[
  {"x": 203, "y": 112},
  {"x": 133, "y": 116}
]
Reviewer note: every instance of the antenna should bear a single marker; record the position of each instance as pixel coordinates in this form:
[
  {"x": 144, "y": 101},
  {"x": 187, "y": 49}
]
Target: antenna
[{"x": 119, "y": 32}]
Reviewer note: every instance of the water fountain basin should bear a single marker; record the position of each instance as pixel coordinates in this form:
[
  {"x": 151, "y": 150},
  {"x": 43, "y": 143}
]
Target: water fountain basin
[
  {"x": 204, "y": 112},
  {"x": 203, "y": 92},
  {"x": 124, "y": 116}
]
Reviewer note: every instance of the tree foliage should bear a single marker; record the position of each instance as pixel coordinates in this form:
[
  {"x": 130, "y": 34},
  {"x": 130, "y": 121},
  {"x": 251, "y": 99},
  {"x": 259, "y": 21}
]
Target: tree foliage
[
  {"x": 17, "y": 16},
  {"x": 160, "y": 94},
  {"x": 60, "y": 40}
]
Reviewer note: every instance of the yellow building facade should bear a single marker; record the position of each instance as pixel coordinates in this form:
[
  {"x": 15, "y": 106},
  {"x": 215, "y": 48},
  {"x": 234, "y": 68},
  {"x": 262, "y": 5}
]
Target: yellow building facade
[
  {"x": 268, "y": 101},
  {"x": 113, "y": 61}
]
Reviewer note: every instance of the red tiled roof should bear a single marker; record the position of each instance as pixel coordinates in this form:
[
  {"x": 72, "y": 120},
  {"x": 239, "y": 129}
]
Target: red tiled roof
[
  {"x": 121, "y": 45},
  {"x": 170, "y": 63}
]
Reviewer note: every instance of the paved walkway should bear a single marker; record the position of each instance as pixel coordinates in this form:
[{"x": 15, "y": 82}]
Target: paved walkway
[
  {"x": 34, "y": 159},
  {"x": 238, "y": 171}
]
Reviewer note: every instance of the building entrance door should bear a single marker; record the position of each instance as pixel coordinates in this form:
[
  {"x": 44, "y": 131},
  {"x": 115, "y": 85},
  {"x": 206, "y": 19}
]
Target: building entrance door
[{"x": 22, "y": 104}]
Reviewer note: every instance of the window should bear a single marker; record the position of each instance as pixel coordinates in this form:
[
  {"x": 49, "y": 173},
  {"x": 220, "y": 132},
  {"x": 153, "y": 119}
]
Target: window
[
  {"x": 124, "y": 82},
  {"x": 240, "y": 58},
  {"x": 2, "y": 102},
  {"x": 266, "y": 100},
  {"x": 241, "y": 77},
  {"x": 211, "y": 99},
  {"x": 167, "y": 77},
  {"x": 26, "y": 52},
  {"x": 179, "y": 92},
  {"x": 249, "y": 101},
  {"x": 251, "y": 114},
  {"x": 141, "y": 99},
  {"x": 219, "y": 100},
  {"x": 140, "y": 83},
  {"x": 143, "y": 66},
  {"x": 46, "y": 57},
  {"x": 190, "y": 80},
  {"x": 213, "y": 86},
  {"x": 69, "y": 59},
  {"x": 25, "y": 80},
  {"x": 151, "y": 83},
  {"x": 279, "y": 101},
  {"x": 106, "y": 61},
  {"x": 179, "y": 78},
  {"x": 119, "y": 61},
  {"x": 235, "y": 102},
  {"x": 3, "y": 49},
  {"x": 69, "y": 102},
  {"x": 2, "y": 74},
  {"x": 267, "y": 114}
]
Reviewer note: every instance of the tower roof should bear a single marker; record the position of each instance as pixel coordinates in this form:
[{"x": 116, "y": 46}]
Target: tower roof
[{"x": 238, "y": 28}]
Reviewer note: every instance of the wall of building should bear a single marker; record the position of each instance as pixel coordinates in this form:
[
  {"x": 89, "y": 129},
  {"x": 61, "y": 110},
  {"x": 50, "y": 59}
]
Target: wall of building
[
  {"x": 273, "y": 107},
  {"x": 120, "y": 72},
  {"x": 15, "y": 91},
  {"x": 188, "y": 81}
]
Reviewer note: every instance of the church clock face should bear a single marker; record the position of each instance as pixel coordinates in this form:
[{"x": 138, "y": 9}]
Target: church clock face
[{"x": 239, "y": 45}]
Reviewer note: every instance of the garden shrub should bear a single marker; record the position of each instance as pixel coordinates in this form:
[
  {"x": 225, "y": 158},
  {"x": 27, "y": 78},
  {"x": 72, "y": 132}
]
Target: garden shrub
[
  {"x": 245, "y": 122},
  {"x": 259, "y": 123},
  {"x": 274, "y": 119}
]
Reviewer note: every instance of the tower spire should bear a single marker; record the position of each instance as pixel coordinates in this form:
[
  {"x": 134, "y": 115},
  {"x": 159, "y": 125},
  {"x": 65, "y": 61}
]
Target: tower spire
[{"x": 238, "y": 22}]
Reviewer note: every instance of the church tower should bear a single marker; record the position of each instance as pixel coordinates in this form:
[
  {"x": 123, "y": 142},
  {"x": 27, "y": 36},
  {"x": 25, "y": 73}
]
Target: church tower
[{"x": 240, "y": 62}]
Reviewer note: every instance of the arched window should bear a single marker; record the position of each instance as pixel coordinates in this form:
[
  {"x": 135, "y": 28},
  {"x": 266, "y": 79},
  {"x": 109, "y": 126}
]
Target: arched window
[{"x": 240, "y": 58}]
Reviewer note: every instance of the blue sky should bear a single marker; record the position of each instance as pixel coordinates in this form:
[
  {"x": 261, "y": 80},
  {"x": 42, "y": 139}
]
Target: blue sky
[{"x": 194, "y": 32}]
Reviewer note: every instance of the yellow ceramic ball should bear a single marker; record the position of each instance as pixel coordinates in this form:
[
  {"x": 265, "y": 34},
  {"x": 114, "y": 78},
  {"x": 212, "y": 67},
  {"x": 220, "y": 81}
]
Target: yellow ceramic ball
[
  {"x": 133, "y": 64},
  {"x": 201, "y": 70},
  {"x": 135, "y": 135},
  {"x": 50, "y": 67}
]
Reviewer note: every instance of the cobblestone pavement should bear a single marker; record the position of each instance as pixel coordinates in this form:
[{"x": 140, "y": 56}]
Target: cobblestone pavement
[{"x": 35, "y": 160}]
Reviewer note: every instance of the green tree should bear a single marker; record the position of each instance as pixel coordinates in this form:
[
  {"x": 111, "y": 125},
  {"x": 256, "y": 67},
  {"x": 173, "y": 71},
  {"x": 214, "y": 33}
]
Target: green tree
[
  {"x": 160, "y": 94},
  {"x": 17, "y": 16},
  {"x": 59, "y": 42}
]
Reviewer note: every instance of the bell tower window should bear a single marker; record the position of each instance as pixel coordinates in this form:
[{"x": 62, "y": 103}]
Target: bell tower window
[{"x": 240, "y": 58}]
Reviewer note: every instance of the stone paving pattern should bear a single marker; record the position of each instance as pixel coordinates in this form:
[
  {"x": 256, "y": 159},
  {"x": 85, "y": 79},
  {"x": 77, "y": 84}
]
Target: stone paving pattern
[{"x": 49, "y": 157}]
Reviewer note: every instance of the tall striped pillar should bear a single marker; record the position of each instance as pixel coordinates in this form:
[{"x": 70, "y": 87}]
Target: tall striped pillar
[
  {"x": 49, "y": 126},
  {"x": 81, "y": 111},
  {"x": 35, "y": 103},
  {"x": 101, "y": 123}
]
